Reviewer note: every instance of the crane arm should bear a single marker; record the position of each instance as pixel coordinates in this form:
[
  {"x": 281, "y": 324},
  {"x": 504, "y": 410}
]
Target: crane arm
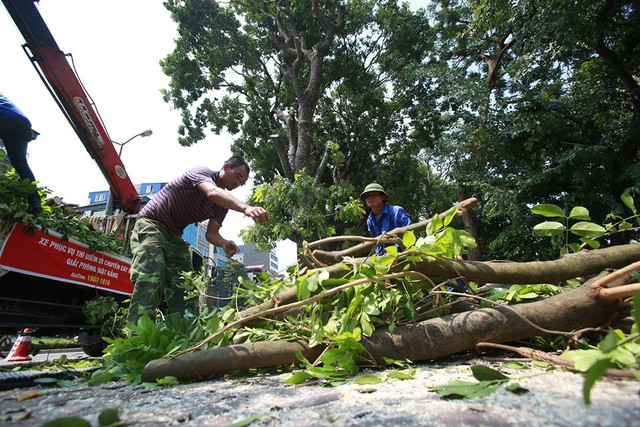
[{"x": 65, "y": 86}]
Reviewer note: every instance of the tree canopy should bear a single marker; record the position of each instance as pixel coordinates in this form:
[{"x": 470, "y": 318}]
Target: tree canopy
[{"x": 515, "y": 103}]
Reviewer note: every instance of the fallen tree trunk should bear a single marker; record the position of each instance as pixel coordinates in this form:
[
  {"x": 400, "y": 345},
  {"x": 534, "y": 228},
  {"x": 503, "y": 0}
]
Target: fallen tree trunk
[
  {"x": 568, "y": 267},
  {"x": 431, "y": 339},
  {"x": 435, "y": 338},
  {"x": 203, "y": 364}
]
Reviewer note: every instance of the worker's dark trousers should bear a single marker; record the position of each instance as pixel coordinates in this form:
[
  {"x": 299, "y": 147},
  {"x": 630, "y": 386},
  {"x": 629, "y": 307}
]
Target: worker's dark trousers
[{"x": 15, "y": 135}]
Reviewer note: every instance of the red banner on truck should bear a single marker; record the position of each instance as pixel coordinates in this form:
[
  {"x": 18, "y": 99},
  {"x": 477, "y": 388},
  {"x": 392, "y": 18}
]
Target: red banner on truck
[{"x": 47, "y": 255}]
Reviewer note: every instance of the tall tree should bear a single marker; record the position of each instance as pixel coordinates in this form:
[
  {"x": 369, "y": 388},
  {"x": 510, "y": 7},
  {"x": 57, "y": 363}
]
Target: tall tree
[
  {"x": 308, "y": 88},
  {"x": 539, "y": 108}
]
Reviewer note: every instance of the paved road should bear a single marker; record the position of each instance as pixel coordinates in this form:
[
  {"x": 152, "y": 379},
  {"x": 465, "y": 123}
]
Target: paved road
[
  {"x": 45, "y": 356},
  {"x": 554, "y": 399}
]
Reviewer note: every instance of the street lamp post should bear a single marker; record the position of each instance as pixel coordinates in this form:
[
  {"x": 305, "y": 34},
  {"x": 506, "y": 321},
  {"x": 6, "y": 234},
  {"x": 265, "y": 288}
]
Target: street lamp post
[
  {"x": 108, "y": 210},
  {"x": 147, "y": 132}
]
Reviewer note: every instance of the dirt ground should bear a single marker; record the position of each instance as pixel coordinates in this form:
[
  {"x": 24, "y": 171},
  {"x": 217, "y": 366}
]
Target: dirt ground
[{"x": 554, "y": 398}]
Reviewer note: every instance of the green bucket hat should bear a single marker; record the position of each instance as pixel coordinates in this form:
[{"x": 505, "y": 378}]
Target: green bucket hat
[{"x": 374, "y": 186}]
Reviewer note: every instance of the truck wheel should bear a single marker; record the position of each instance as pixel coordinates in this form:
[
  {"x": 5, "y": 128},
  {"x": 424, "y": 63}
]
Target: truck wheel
[{"x": 5, "y": 345}]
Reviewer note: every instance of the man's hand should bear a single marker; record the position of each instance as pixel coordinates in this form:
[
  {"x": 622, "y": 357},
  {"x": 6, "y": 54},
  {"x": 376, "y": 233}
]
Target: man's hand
[
  {"x": 257, "y": 214},
  {"x": 230, "y": 248}
]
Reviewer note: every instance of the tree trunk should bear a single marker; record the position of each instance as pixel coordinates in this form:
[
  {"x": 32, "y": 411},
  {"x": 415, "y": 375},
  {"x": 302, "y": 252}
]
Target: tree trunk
[
  {"x": 572, "y": 310},
  {"x": 431, "y": 339},
  {"x": 202, "y": 364},
  {"x": 568, "y": 267}
]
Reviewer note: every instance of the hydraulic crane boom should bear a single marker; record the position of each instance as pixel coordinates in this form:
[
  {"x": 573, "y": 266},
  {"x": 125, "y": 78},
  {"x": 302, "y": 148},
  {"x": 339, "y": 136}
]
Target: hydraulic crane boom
[{"x": 61, "y": 80}]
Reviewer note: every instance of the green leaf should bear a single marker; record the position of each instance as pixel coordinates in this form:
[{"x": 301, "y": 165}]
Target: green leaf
[
  {"x": 548, "y": 210},
  {"x": 582, "y": 359},
  {"x": 391, "y": 250},
  {"x": 580, "y": 213},
  {"x": 466, "y": 389},
  {"x": 402, "y": 363},
  {"x": 515, "y": 365},
  {"x": 366, "y": 325},
  {"x": 609, "y": 343},
  {"x": 400, "y": 375},
  {"x": 623, "y": 356},
  {"x": 108, "y": 417},
  {"x": 465, "y": 238},
  {"x": 595, "y": 372},
  {"x": 515, "y": 388},
  {"x": 368, "y": 270},
  {"x": 302, "y": 289},
  {"x": 168, "y": 381},
  {"x": 435, "y": 224},
  {"x": 332, "y": 283},
  {"x": 410, "y": 311},
  {"x": 575, "y": 247},
  {"x": 624, "y": 225},
  {"x": 484, "y": 373},
  {"x": 312, "y": 283},
  {"x": 246, "y": 421},
  {"x": 627, "y": 199},
  {"x": 408, "y": 239},
  {"x": 301, "y": 358},
  {"x": 549, "y": 228},
  {"x": 588, "y": 229},
  {"x": 541, "y": 364},
  {"x": 367, "y": 379},
  {"x": 450, "y": 215},
  {"x": 593, "y": 244},
  {"x": 299, "y": 377}
]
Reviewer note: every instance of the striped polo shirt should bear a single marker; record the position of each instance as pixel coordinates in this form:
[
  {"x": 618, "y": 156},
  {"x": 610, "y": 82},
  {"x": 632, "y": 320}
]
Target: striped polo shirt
[{"x": 180, "y": 202}]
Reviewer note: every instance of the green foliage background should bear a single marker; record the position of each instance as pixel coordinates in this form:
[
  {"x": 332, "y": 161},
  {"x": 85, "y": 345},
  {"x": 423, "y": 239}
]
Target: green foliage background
[{"x": 515, "y": 103}]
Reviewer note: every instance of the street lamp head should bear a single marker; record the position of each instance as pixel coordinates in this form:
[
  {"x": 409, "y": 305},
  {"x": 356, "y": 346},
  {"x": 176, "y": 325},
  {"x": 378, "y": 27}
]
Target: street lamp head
[{"x": 122, "y": 144}]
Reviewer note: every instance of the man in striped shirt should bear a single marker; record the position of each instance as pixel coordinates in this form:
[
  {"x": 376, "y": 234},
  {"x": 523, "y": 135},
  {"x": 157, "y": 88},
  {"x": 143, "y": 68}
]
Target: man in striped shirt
[{"x": 159, "y": 254}]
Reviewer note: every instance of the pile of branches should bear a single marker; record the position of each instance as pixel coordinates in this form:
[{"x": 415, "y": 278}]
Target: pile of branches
[{"x": 435, "y": 326}]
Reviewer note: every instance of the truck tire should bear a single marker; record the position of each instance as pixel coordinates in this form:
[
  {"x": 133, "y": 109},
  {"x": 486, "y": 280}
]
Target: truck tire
[{"x": 5, "y": 345}]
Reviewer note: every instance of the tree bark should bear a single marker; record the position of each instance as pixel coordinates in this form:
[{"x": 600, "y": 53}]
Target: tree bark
[
  {"x": 572, "y": 310},
  {"x": 202, "y": 364},
  {"x": 568, "y": 267}
]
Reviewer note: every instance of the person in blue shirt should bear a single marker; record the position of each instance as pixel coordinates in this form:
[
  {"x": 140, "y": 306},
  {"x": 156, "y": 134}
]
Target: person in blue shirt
[
  {"x": 16, "y": 132},
  {"x": 383, "y": 217}
]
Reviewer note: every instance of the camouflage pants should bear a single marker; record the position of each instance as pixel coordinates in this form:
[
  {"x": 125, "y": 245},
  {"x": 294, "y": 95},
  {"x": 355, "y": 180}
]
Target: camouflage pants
[{"x": 158, "y": 258}]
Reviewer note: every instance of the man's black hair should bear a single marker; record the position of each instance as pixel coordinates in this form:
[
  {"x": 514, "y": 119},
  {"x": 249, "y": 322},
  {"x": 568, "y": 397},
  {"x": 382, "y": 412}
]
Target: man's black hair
[{"x": 235, "y": 161}]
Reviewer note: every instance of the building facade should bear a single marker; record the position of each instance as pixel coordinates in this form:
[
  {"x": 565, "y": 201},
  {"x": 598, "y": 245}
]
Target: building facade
[{"x": 256, "y": 260}]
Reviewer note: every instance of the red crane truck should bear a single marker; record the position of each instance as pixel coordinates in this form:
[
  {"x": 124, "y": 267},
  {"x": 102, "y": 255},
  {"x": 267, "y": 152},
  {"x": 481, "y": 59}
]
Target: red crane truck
[{"x": 45, "y": 280}]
